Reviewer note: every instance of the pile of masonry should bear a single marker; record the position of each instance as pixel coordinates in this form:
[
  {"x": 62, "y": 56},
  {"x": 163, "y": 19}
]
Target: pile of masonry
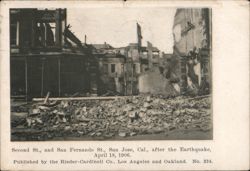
[{"x": 122, "y": 117}]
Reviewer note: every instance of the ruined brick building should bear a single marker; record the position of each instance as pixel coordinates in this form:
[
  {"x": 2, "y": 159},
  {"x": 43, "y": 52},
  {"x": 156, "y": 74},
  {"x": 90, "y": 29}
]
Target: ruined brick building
[
  {"x": 111, "y": 70},
  {"x": 187, "y": 70},
  {"x": 139, "y": 59},
  {"x": 45, "y": 56},
  {"x": 120, "y": 68},
  {"x": 192, "y": 50}
]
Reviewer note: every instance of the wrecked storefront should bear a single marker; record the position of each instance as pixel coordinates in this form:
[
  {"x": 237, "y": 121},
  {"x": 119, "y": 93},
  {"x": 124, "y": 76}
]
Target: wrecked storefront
[{"x": 45, "y": 56}]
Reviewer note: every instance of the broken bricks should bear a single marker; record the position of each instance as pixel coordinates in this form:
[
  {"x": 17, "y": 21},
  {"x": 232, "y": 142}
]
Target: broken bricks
[{"x": 128, "y": 116}]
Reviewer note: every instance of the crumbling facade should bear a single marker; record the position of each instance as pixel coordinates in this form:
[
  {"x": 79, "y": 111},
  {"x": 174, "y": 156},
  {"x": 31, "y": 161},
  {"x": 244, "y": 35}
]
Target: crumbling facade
[
  {"x": 132, "y": 68},
  {"x": 112, "y": 76},
  {"x": 149, "y": 57},
  {"x": 192, "y": 49},
  {"x": 119, "y": 69},
  {"x": 139, "y": 59}
]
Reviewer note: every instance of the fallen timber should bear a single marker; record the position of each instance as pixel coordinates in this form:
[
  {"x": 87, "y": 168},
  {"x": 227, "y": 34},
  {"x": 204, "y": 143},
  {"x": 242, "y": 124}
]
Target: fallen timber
[
  {"x": 95, "y": 98},
  {"x": 79, "y": 98}
]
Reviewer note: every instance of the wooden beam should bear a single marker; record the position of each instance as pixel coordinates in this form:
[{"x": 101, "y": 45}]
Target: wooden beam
[
  {"x": 80, "y": 98},
  {"x": 26, "y": 79},
  {"x": 17, "y": 33},
  {"x": 58, "y": 29},
  {"x": 42, "y": 78},
  {"x": 33, "y": 33},
  {"x": 198, "y": 97},
  {"x": 46, "y": 98},
  {"x": 59, "y": 76}
]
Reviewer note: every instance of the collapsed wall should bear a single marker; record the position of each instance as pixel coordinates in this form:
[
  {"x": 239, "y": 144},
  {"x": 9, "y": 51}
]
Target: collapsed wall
[
  {"x": 192, "y": 47},
  {"x": 188, "y": 70},
  {"x": 154, "y": 82}
]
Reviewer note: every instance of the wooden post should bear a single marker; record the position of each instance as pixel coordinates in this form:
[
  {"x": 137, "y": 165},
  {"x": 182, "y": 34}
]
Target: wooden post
[
  {"x": 45, "y": 35},
  {"x": 17, "y": 33},
  {"x": 42, "y": 27},
  {"x": 26, "y": 79},
  {"x": 42, "y": 78},
  {"x": 58, "y": 30},
  {"x": 59, "y": 77},
  {"x": 33, "y": 33}
]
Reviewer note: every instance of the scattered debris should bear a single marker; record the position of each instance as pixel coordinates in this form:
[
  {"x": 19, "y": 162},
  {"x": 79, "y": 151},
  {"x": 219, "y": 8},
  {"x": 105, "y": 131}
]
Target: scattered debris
[{"x": 127, "y": 116}]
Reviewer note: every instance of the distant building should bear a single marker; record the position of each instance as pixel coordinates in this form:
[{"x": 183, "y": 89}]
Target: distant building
[
  {"x": 150, "y": 57},
  {"x": 132, "y": 68},
  {"x": 103, "y": 48},
  {"x": 118, "y": 69},
  {"x": 139, "y": 59},
  {"x": 111, "y": 74}
]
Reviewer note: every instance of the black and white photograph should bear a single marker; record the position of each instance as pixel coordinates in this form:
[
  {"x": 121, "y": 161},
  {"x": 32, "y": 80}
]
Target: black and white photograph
[{"x": 111, "y": 74}]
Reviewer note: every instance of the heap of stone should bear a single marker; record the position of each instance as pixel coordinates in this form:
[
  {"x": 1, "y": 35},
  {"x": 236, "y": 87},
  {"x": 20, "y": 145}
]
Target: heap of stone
[{"x": 120, "y": 117}]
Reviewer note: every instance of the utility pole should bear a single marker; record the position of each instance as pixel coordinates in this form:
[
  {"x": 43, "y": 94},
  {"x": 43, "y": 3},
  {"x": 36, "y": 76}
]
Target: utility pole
[{"x": 85, "y": 39}]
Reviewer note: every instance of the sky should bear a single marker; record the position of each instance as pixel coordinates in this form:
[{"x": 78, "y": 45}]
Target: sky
[{"x": 117, "y": 26}]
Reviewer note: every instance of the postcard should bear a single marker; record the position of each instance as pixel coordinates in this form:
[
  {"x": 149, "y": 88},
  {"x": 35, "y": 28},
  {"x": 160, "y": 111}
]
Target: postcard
[{"x": 126, "y": 85}]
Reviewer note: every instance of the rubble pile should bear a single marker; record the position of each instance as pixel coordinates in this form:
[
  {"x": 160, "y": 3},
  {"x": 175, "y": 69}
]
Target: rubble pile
[{"x": 121, "y": 117}]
